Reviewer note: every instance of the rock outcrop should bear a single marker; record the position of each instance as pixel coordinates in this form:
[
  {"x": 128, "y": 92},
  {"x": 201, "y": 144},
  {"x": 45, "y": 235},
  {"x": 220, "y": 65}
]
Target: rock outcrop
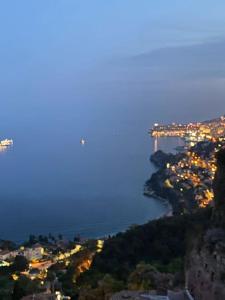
[
  {"x": 219, "y": 191},
  {"x": 205, "y": 270},
  {"x": 160, "y": 158}
]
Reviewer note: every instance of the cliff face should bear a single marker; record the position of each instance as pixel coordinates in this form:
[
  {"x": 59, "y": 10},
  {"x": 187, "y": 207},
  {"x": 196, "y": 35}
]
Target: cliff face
[
  {"x": 219, "y": 191},
  {"x": 205, "y": 270}
]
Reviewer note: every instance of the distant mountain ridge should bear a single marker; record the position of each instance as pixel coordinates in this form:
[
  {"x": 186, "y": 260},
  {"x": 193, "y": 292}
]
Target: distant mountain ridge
[{"x": 204, "y": 60}]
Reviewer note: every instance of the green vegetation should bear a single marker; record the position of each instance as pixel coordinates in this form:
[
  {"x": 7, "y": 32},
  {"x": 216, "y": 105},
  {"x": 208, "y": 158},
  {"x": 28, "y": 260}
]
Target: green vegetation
[
  {"x": 150, "y": 256},
  {"x": 20, "y": 264},
  {"x": 24, "y": 286},
  {"x": 157, "y": 248},
  {"x": 6, "y": 287}
]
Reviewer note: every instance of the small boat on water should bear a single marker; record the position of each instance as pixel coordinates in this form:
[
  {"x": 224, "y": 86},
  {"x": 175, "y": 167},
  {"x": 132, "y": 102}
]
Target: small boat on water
[
  {"x": 6, "y": 143},
  {"x": 82, "y": 141}
]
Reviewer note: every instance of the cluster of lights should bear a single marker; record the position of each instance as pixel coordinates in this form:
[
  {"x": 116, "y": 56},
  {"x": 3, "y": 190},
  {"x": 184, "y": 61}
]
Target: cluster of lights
[
  {"x": 194, "y": 169},
  {"x": 192, "y": 132},
  {"x": 66, "y": 255},
  {"x": 42, "y": 264}
]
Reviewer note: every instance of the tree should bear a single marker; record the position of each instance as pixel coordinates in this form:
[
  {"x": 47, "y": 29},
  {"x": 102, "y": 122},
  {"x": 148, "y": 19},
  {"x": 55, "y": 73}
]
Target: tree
[
  {"x": 142, "y": 277},
  {"x": 20, "y": 263},
  {"x": 51, "y": 276},
  {"x": 51, "y": 237},
  {"x": 24, "y": 286},
  {"x": 18, "y": 291},
  {"x": 109, "y": 285},
  {"x": 77, "y": 238},
  {"x": 43, "y": 239},
  {"x": 32, "y": 239}
]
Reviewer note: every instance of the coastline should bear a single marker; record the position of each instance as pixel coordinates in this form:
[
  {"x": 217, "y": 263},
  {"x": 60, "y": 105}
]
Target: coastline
[
  {"x": 184, "y": 180},
  {"x": 166, "y": 202},
  {"x": 155, "y": 185}
]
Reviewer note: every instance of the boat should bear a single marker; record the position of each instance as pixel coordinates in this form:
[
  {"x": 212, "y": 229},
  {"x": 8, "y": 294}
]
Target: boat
[
  {"x": 82, "y": 141},
  {"x": 6, "y": 142}
]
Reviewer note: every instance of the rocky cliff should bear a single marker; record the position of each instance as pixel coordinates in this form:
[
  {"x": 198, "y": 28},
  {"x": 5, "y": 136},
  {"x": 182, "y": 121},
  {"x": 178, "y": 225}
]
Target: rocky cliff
[
  {"x": 205, "y": 270},
  {"x": 219, "y": 191}
]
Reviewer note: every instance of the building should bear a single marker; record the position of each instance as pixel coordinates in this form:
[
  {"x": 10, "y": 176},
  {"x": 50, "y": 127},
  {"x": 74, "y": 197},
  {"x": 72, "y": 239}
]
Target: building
[
  {"x": 34, "y": 253},
  {"x": 7, "y": 255}
]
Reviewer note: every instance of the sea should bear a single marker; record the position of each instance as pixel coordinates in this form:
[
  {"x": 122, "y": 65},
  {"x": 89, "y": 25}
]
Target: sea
[{"x": 52, "y": 183}]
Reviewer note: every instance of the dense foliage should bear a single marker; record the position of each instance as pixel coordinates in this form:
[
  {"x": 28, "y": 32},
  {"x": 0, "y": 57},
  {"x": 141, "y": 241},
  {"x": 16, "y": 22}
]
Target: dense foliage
[{"x": 158, "y": 245}]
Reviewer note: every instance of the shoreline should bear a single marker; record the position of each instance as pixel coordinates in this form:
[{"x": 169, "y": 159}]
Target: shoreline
[
  {"x": 166, "y": 202},
  {"x": 155, "y": 185},
  {"x": 184, "y": 180}
]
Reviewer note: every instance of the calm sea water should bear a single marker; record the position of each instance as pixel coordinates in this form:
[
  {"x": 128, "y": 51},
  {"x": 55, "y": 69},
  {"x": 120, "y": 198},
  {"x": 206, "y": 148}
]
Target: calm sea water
[{"x": 49, "y": 182}]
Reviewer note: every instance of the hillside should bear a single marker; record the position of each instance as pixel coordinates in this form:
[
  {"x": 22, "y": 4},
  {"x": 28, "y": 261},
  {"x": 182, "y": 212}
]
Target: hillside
[
  {"x": 157, "y": 249},
  {"x": 170, "y": 253}
]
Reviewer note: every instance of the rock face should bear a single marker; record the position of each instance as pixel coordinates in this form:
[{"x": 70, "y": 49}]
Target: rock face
[
  {"x": 219, "y": 190},
  {"x": 205, "y": 271}
]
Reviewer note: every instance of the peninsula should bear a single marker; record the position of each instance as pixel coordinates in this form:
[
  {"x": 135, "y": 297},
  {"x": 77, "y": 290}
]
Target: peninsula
[{"x": 185, "y": 178}]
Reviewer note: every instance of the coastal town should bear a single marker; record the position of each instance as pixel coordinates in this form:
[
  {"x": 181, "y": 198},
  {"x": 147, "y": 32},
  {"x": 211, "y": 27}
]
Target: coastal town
[
  {"x": 40, "y": 266},
  {"x": 211, "y": 130},
  {"x": 185, "y": 178}
]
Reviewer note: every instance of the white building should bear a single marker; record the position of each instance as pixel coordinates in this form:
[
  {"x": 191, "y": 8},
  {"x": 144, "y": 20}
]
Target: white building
[
  {"x": 34, "y": 253},
  {"x": 7, "y": 255}
]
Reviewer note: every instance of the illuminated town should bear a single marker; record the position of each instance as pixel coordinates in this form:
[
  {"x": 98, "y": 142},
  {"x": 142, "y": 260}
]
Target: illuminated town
[
  {"x": 189, "y": 176},
  {"x": 192, "y": 132},
  {"x": 43, "y": 260},
  {"x": 195, "y": 173}
]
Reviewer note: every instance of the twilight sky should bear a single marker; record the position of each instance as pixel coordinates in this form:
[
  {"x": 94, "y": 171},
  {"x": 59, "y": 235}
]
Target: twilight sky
[
  {"x": 50, "y": 45},
  {"x": 62, "y": 35}
]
